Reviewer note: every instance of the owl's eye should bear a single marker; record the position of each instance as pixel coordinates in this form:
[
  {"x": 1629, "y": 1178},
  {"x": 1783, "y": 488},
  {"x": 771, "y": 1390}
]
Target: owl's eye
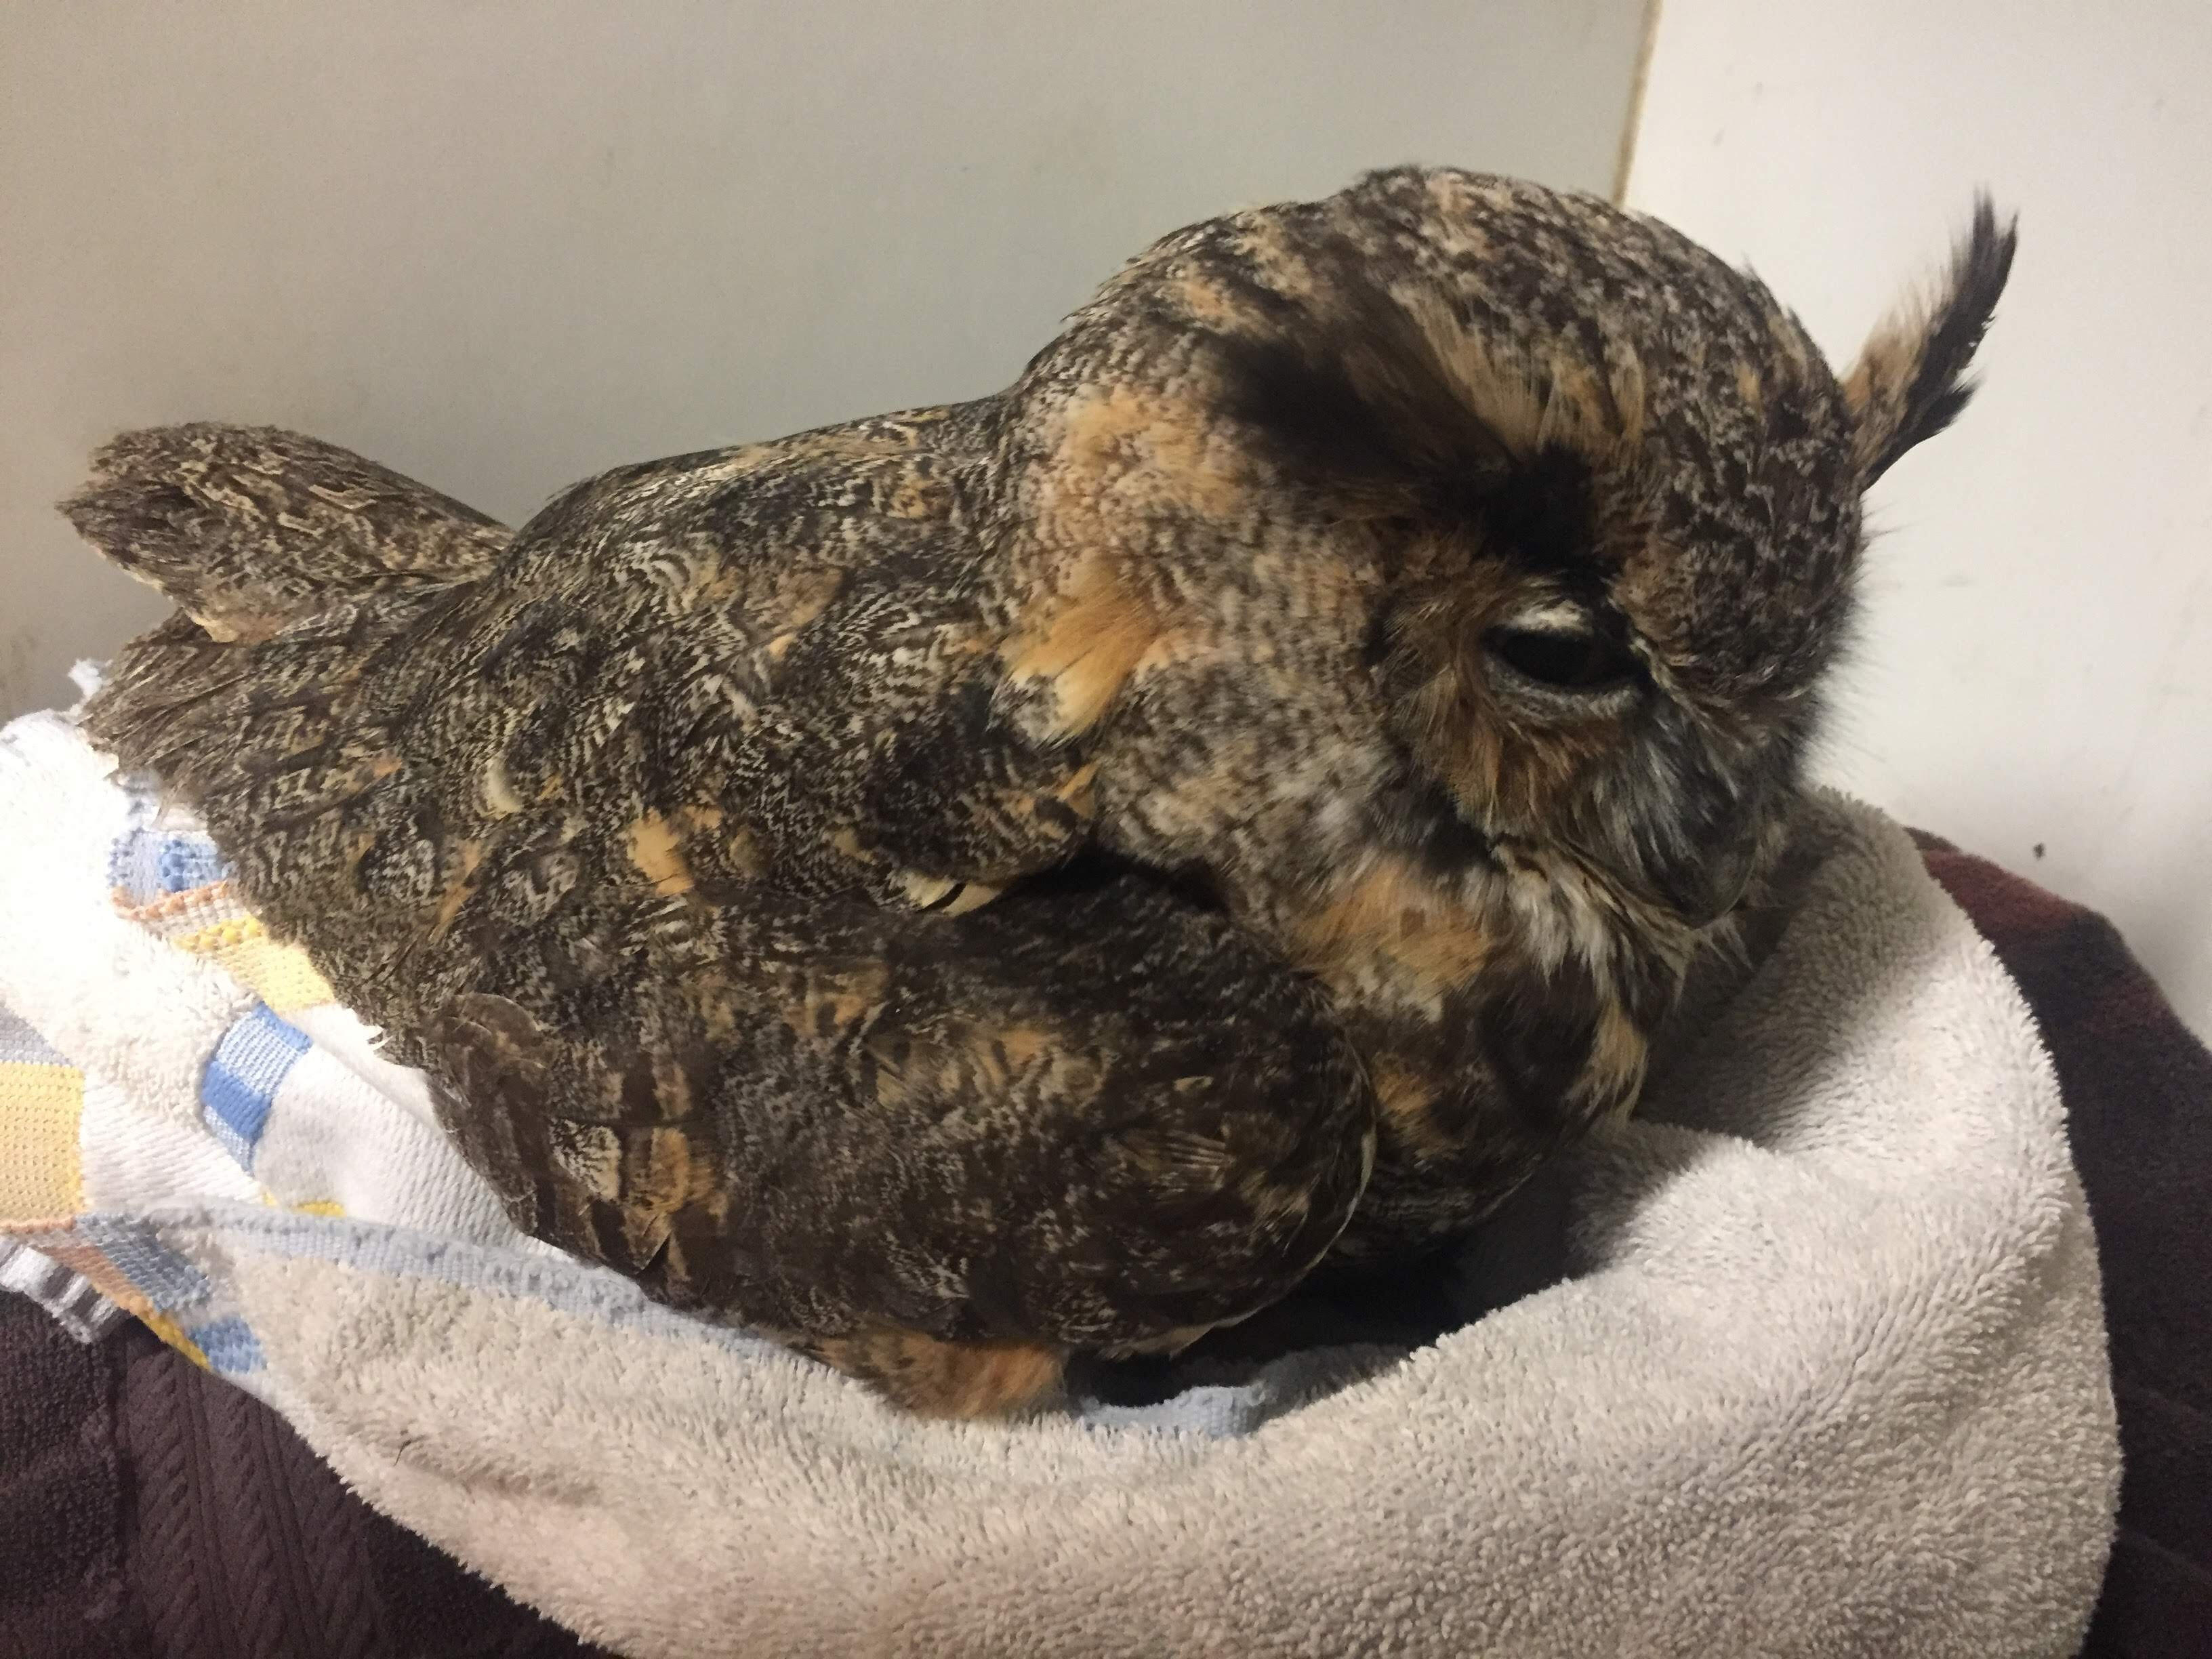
[{"x": 1577, "y": 662}]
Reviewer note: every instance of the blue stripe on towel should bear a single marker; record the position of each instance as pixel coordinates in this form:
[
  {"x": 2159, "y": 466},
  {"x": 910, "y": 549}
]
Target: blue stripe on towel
[
  {"x": 230, "y": 1345},
  {"x": 164, "y": 1278},
  {"x": 146, "y": 864},
  {"x": 242, "y": 1078}
]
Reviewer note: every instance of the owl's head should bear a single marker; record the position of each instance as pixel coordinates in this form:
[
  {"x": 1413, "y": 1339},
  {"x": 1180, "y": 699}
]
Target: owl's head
[{"x": 1588, "y": 498}]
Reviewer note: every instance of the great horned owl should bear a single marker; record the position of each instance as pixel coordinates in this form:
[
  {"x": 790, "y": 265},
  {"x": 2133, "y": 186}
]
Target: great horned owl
[{"x": 1041, "y": 875}]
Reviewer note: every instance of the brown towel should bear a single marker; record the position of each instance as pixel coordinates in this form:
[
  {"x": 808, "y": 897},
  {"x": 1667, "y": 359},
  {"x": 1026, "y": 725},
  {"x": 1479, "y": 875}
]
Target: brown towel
[
  {"x": 148, "y": 1510},
  {"x": 2138, "y": 1093},
  {"x": 63, "y": 1496}
]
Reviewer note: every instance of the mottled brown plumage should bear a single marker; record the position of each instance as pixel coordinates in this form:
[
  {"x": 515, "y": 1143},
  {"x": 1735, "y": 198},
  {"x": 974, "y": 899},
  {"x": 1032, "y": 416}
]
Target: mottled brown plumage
[{"x": 1040, "y": 874}]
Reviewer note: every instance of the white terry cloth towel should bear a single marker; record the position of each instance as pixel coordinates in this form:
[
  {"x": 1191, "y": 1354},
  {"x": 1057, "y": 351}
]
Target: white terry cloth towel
[{"x": 1828, "y": 1375}]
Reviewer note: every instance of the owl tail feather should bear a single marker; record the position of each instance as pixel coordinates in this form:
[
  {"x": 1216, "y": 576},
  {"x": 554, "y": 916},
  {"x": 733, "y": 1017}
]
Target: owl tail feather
[
  {"x": 249, "y": 529},
  {"x": 286, "y": 556}
]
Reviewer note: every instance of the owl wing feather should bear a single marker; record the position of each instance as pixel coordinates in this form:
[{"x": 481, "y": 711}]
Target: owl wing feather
[{"x": 797, "y": 652}]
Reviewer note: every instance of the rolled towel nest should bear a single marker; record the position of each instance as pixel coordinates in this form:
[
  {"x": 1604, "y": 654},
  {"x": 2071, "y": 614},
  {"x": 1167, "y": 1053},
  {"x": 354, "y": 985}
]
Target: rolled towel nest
[{"x": 1822, "y": 1371}]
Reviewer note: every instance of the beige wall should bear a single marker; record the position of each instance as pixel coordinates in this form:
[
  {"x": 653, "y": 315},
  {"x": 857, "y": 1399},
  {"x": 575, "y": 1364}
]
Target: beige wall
[
  {"x": 502, "y": 244},
  {"x": 2036, "y": 677}
]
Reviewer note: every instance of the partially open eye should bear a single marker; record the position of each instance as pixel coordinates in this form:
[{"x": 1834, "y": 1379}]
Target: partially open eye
[{"x": 1577, "y": 662}]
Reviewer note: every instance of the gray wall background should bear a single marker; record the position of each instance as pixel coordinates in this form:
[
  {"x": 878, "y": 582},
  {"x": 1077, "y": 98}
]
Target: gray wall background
[{"x": 503, "y": 244}]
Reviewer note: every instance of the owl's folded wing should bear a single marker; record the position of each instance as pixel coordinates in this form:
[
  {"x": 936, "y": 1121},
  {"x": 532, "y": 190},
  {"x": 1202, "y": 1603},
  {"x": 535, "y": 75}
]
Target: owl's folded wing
[{"x": 1089, "y": 1115}]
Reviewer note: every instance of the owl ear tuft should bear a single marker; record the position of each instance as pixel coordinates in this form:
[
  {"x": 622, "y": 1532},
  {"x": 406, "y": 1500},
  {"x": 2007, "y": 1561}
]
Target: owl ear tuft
[{"x": 1909, "y": 382}]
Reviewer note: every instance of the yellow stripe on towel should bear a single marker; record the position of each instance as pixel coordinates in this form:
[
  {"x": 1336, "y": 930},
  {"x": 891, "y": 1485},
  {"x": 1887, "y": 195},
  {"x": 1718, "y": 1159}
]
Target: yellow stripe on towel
[
  {"x": 328, "y": 1208},
  {"x": 280, "y": 975},
  {"x": 41, "y": 1177}
]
